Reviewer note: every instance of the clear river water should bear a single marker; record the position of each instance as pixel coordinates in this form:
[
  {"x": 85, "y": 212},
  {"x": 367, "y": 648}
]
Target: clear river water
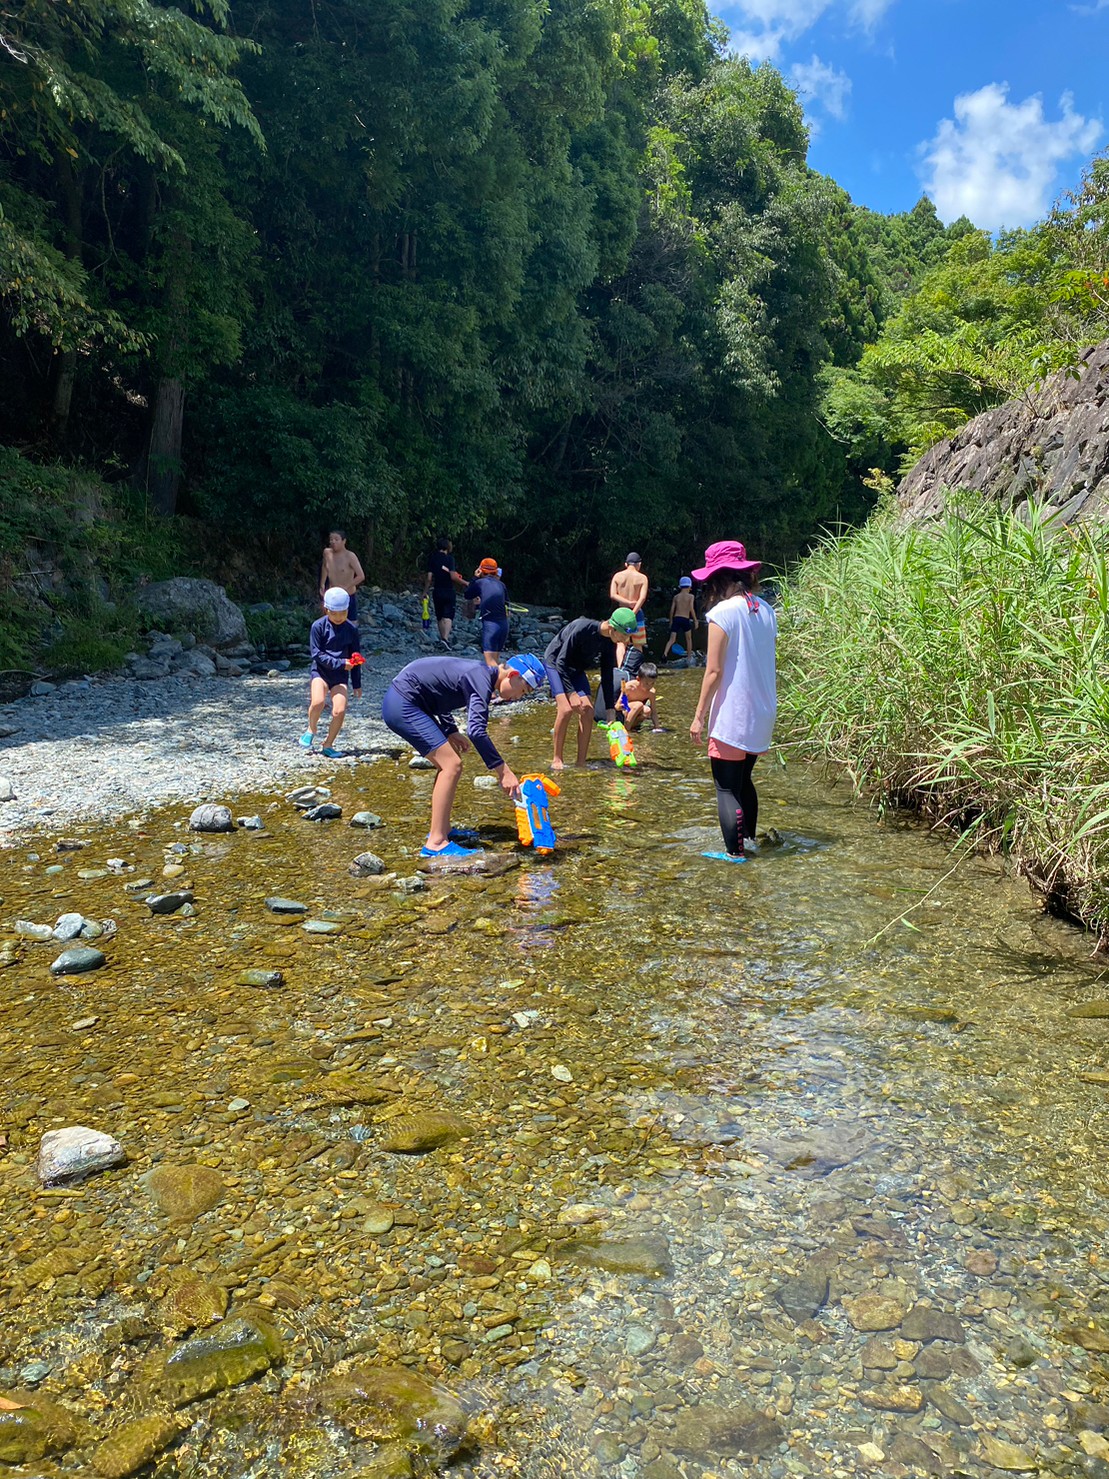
[{"x": 626, "y": 1163}]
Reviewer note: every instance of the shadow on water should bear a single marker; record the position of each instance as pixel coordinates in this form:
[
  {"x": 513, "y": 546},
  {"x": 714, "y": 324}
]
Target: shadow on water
[{"x": 720, "y": 1167}]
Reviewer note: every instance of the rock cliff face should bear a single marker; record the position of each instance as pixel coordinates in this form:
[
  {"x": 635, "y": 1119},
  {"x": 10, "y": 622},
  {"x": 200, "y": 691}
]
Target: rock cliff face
[{"x": 1050, "y": 446}]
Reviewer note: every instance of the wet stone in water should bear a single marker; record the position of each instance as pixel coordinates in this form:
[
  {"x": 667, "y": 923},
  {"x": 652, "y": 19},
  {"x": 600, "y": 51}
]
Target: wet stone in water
[
  {"x": 393, "y": 1404},
  {"x": 185, "y": 1192},
  {"x": 68, "y": 927},
  {"x": 225, "y": 1356},
  {"x": 416, "y": 1133},
  {"x": 648, "y": 1255},
  {"x": 32, "y": 1426},
  {"x": 277, "y": 905},
  {"x": 76, "y": 1152},
  {"x": 168, "y": 903},
  {"x": 78, "y": 960},
  {"x": 193, "y": 1304},
  {"x": 136, "y": 1444},
  {"x": 366, "y": 819},
  {"x": 924, "y": 1324},
  {"x": 709, "y": 1432},
  {"x": 874, "y": 1312},
  {"x": 209, "y": 818},
  {"x": 326, "y": 811},
  {"x": 271, "y": 980},
  {"x": 366, "y": 865},
  {"x": 803, "y": 1296}
]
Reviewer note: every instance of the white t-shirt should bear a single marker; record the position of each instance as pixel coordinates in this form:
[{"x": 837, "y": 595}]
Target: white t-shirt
[{"x": 746, "y": 703}]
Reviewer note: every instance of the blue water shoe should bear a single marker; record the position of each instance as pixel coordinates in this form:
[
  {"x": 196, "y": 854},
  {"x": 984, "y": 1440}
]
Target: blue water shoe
[
  {"x": 725, "y": 857},
  {"x": 306, "y": 739},
  {"x": 452, "y": 850}
]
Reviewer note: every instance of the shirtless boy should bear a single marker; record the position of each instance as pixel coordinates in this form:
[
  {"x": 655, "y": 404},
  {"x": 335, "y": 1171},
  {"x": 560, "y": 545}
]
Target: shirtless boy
[
  {"x": 628, "y": 587},
  {"x": 341, "y": 570},
  {"x": 683, "y": 617}
]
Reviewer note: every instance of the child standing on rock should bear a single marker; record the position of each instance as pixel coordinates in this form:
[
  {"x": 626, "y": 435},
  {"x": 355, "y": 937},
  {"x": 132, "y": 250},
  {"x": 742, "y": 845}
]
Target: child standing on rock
[{"x": 333, "y": 642}]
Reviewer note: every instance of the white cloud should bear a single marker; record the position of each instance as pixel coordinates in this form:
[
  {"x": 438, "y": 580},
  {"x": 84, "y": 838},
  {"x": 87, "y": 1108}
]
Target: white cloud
[
  {"x": 763, "y": 26},
  {"x": 996, "y": 161},
  {"x": 822, "y": 85}
]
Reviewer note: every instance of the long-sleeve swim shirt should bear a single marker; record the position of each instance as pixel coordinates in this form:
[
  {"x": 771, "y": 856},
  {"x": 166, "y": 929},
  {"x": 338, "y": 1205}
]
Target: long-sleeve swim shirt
[
  {"x": 491, "y": 593},
  {"x": 578, "y": 646},
  {"x": 439, "y": 685},
  {"x": 330, "y": 646}
]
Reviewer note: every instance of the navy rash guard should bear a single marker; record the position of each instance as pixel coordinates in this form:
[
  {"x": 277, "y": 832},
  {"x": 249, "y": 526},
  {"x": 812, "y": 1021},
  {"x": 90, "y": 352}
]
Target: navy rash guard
[
  {"x": 581, "y": 645},
  {"x": 491, "y": 593},
  {"x": 439, "y": 685},
  {"x": 330, "y": 646}
]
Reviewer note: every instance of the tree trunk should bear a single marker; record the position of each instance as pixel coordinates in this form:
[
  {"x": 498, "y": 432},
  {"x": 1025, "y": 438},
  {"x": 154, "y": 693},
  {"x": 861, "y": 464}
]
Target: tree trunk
[
  {"x": 65, "y": 360},
  {"x": 162, "y": 465}
]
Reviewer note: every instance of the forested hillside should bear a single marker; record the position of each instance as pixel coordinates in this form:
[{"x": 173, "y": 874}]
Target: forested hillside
[{"x": 553, "y": 274}]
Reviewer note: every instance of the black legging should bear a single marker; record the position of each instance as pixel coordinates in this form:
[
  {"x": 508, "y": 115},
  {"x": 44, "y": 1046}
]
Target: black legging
[{"x": 736, "y": 800}]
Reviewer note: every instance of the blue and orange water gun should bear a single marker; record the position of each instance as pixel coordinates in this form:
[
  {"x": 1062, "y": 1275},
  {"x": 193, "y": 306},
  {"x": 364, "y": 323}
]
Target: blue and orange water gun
[
  {"x": 533, "y": 822},
  {"x": 620, "y": 745}
]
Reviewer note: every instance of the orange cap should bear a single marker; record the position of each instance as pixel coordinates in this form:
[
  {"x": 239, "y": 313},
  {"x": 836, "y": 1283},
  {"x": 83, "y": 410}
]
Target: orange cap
[{"x": 488, "y": 566}]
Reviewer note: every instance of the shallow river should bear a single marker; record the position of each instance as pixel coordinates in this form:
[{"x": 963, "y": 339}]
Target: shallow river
[{"x": 738, "y": 1173}]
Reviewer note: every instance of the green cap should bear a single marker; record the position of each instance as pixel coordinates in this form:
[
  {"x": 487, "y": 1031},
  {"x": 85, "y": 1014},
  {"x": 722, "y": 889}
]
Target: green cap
[{"x": 624, "y": 620}]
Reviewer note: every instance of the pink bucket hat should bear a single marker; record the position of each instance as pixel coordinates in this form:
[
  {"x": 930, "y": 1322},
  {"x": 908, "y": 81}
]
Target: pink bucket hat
[{"x": 727, "y": 554}]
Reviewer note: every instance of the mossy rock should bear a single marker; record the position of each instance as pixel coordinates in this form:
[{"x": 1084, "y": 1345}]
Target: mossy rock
[
  {"x": 347, "y": 1086},
  {"x": 185, "y": 1192},
  {"x": 35, "y": 1427},
  {"x": 391, "y": 1404},
  {"x": 230, "y": 1353},
  {"x": 136, "y": 1444},
  {"x": 417, "y": 1133},
  {"x": 192, "y": 1304},
  {"x": 648, "y": 1255}
]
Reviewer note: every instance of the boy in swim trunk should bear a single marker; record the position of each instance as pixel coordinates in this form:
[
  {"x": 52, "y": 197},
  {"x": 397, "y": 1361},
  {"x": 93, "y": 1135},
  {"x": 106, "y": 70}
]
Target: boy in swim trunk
[
  {"x": 333, "y": 641},
  {"x": 341, "y": 567},
  {"x": 418, "y": 706},
  {"x": 579, "y": 645},
  {"x": 629, "y": 587},
  {"x": 683, "y": 617},
  {"x": 637, "y": 698}
]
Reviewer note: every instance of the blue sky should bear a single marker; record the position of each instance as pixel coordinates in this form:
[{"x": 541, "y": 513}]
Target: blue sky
[{"x": 989, "y": 106}]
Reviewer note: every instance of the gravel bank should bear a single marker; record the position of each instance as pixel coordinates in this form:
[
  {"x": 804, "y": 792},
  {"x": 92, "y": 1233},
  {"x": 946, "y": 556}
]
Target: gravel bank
[{"x": 111, "y": 747}]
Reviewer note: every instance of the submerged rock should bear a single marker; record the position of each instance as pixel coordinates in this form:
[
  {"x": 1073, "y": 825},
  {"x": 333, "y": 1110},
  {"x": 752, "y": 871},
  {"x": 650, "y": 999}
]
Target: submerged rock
[
  {"x": 648, "y": 1254},
  {"x": 168, "y": 903},
  {"x": 874, "y": 1312},
  {"x": 192, "y": 1304},
  {"x": 77, "y": 960},
  {"x": 211, "y": 818},
  {"x": 76, "y": 1152},
  {"x": 225, "y": 1356},
  {"x": 270, "y": 980},
  {"x": 366, "y": 819},
  {"x": 392, "y": 1404},
  {"x": 185, "y": 1192},
  {"x": 805, "y": 1295},
  {"x": 420, "y": 1132},
  {"x": 709, "y": 1432},
  {"x": 1090, "y": 1009},
  {"x": 137, "y": 1443},
  {"x": 277, "y": 905},
  {"x": 366, "y": 865},
  {"x": 32, "y": 1426}
]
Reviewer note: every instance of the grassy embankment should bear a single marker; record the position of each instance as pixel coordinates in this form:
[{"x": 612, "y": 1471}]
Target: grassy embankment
[
  {"x": 962, "y": 668},
  {"x": 73, "y": 551}
]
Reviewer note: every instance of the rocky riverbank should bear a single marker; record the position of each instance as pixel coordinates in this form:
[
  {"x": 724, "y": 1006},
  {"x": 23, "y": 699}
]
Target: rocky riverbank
[{"x": 189, "y": 722}]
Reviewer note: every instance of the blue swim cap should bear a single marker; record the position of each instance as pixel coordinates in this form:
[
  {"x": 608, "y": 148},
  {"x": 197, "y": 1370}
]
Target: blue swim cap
[
  {"x": 685, "y": 583},
  {"x": 530, "y": 668}
]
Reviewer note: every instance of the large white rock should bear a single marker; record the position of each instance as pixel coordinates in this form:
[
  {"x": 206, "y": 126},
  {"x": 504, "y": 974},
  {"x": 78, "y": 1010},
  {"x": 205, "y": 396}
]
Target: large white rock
[{"x": 76, "y": 1152}]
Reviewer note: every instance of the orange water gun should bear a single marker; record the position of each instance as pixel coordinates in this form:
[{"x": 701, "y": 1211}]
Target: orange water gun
[{"x": 533, "y": 822}]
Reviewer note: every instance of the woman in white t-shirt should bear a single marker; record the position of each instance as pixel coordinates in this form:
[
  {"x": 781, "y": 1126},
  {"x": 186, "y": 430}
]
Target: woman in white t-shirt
[{"x": 739, "y": 689}]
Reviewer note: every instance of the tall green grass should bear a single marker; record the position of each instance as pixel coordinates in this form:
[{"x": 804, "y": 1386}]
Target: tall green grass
[{"x": 962, "y": 667}]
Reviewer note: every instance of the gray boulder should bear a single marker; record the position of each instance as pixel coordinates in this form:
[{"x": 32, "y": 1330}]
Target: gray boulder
[
  {"x": 210, "y": 818},
  {"x": 195, "y": 664},
  {"x": 198, "y": 606},
  {"x": 390, "y": 612},
  {"x": 366, "y": 865},
  {"x": 146, "y": 669}
]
